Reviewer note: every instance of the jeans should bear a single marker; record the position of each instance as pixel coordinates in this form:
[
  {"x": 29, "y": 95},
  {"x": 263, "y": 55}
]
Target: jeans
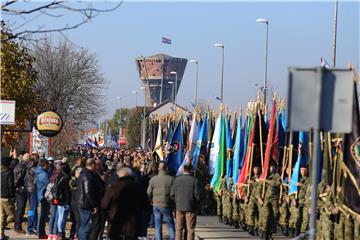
[
  {"x": 32, "y": 213},
  {"x": 21, "y": 198},
  {"x": 165, "y": 214},
  {"x": 84, "y": 224},
  {"x": 63, "y": 212},
  {"x": 53, "y": 220},
  {"x": 44, "y": 212}
]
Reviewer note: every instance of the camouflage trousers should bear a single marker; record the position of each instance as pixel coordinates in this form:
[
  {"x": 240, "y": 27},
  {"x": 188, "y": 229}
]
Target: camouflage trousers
[
  {"x": 227, "y": 206},
  {"x": 324, "y": 227},
  {"x": 295, "y": 217},
  {"x": 252, "y": 214},
  {"x": 242, "y": 211},
  {"x": 268, "y": 216},
  {"x": 344, "y": 229},
  {"x": 235, "y": 209},
  {"x": 284, "y": 214},
  {"x": 218, "y": 204},
  {"x": 305, "y": 217}
]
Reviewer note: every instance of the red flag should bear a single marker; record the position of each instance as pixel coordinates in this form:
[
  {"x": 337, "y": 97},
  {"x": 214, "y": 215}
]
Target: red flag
[
  {"x": 245, "y": 170},
  {"x": 269, "y": 143}
]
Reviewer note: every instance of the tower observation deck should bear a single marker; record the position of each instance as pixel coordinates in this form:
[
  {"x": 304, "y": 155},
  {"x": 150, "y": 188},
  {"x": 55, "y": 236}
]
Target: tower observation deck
[{"x": 156, "y": 78}]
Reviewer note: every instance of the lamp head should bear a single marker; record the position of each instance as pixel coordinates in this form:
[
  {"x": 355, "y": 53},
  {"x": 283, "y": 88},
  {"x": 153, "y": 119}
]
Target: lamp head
[{"x": 262, "y": 20}]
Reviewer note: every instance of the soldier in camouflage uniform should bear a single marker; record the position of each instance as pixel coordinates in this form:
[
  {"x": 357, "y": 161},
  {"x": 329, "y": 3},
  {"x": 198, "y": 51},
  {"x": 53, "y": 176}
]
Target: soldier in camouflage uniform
[
  {"x": 284, "y": 209},
  {"x": 252, "y": 219},
  {"x": 324, "y": 226},
  {"x": 218, "y": 199},
  {"x": 226, "y": 202},
  {"x": 235, "y": 207},
  {"x": 269, "y": 205},
  {"x": 297, "y": 203},
  {"x": 306, "y": 209},
  {"x": 243, "y": 207}
]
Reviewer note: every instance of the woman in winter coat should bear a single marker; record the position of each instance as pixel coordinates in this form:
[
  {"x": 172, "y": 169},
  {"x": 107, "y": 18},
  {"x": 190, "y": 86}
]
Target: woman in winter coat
[{"x": 42, "y": 180}]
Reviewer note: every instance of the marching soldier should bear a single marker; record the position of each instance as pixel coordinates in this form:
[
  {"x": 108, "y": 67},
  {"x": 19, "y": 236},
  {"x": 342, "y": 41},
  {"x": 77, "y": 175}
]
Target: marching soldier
[
  {"x": 219, "y": 211},
  {"x": 243, "y": 207},
  {"x": 284, "y": 209},
  {"x": 297, "y": 203},
  {"x": 269, "y": 205},
  {"x": 253, "y": 208},
  {"x": 226, "y": 202},
  {"x": 235, "y": 207}
]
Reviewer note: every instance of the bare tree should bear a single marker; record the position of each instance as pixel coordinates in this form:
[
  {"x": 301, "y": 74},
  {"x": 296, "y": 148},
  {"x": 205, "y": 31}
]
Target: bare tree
[
  {"x": 69, "y": 81},
  {"x": 20, "y": 13}
]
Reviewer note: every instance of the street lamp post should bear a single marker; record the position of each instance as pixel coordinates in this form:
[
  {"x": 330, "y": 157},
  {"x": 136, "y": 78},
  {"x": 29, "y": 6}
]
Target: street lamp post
[
  {"x": 262, "y": 20},
  {"x": 196, "y": 80},
  {"x": 119, "y": 121},
  {"x": 144, "y": 123},
  {"x": 136, "y": 93},
  {"x": 176, "y": 85},
  {"x": 220, "y": 45},
  {"x": 172, "y": 93}
]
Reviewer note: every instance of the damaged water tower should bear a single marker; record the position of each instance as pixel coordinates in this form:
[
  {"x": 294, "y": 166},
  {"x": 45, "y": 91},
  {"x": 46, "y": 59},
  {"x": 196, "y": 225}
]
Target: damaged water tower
[{"x": 157, "y": 77}]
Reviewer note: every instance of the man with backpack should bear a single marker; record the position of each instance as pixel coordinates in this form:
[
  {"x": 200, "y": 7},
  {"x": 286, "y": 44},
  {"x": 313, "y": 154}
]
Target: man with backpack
[{"x": 20, "y": 192}]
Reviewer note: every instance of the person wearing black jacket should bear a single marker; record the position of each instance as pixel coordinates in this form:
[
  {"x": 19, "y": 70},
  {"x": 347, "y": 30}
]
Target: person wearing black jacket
[
  {"x": 30, "y": 186},
  {"x": 98, "y": 224},
  {"x": 20, "y": 192},
  {"x": 64, "y": 196},
  {"x": 124, "y": 202},
  {"x": 7, "y": 208},
  {"x": 89, "y": 198}
]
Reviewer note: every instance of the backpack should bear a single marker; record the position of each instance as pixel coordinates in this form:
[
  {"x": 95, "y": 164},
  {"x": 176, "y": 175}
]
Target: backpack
[{"x": 53, "y": 192}]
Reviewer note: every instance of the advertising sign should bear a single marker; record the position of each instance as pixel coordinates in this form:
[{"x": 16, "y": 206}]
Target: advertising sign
[
  {"x": 49, "y": 124},
  {"x": 39, "y": 143},
  {"x": 7, "y": 112}
]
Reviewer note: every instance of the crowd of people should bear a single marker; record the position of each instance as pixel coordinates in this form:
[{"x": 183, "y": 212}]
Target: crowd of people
[{"x": 113, "y": 193}]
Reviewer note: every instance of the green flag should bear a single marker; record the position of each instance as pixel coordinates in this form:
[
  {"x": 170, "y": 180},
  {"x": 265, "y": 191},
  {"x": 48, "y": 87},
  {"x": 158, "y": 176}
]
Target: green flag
[{"x": 222, "y": 157}]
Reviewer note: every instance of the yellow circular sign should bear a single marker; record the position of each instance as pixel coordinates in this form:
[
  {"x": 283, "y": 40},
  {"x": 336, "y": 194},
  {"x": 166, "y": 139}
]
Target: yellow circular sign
[{"x": 49, "y": 124}]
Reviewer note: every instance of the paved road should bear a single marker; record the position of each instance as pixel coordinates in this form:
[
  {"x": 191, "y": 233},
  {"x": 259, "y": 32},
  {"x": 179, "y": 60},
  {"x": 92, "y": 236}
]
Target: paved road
[{"x": 209, "y": 228}]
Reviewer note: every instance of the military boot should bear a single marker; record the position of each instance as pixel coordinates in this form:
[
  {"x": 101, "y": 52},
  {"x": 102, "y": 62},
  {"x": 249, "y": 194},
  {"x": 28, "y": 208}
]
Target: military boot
[
  {"x": 220, "y": 219},
  {"x": 236, "y": 225},
  {"x": 251, "y": 230}
]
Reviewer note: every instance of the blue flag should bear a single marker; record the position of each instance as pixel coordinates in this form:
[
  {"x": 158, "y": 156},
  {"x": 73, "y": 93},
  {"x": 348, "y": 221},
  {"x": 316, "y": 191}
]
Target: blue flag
[
  {"x": 246, "y": 133},
  {"x": 199, "y": 143},
  {"x": 176, "y": 149},
  {"x": 238, "y": 151},
  {"x": 228, "y": 151},
  {"x": 302, "y": 159}
]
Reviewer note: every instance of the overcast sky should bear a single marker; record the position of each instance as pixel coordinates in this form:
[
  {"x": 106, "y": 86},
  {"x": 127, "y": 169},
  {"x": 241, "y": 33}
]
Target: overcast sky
[{"x": 299, "y": 34}]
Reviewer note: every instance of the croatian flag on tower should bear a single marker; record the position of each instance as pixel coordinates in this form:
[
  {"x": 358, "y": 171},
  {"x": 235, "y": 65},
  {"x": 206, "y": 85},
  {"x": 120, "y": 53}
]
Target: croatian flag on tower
[{"x": 166, "y": 40}]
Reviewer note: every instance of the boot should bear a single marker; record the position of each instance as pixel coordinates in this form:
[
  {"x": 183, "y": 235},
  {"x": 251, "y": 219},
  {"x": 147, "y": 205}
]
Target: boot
[
  {"x": 236, "y": 225},
  {"x": 226, "y": 221},
  {"x": 256, "y": 230},
  {"x": 220, "y": 219},
  {"x": 251, "y": 230}
]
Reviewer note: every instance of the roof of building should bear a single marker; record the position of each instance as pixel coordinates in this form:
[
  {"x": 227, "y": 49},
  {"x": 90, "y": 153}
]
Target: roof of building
[{"x": 163, "y": 105}]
